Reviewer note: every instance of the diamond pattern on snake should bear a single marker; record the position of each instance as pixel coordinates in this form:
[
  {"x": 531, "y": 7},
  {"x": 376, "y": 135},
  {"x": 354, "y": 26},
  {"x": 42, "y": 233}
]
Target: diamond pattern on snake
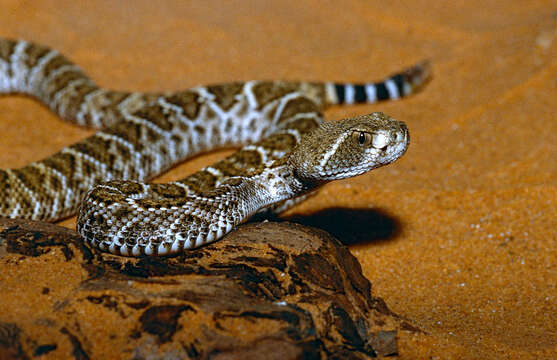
[{"x": 286, "y": 151}]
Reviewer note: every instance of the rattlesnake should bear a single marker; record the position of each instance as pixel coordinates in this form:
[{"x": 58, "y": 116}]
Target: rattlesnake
[{"x": 290, "y": 151}]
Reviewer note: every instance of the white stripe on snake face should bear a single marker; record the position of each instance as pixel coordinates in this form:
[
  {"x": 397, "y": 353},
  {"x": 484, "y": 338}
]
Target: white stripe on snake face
[{"x": 331, "y": 151}]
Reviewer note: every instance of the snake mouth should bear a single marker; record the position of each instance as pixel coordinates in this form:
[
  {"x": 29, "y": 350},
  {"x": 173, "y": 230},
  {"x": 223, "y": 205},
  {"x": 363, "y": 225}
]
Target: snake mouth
[{"x": 399, "y": 140}]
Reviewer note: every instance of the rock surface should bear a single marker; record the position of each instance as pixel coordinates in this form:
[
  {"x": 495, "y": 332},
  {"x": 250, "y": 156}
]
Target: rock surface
[{"x": 267, "y": 290}]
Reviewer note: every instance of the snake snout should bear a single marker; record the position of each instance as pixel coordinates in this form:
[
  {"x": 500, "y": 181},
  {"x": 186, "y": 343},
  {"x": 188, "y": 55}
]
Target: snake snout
[{"x": 402, "y": 134}]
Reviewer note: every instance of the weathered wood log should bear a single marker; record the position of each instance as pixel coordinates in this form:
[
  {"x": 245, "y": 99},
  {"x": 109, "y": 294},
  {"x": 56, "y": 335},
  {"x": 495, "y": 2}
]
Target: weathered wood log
[{"x": 267, "y": 290}]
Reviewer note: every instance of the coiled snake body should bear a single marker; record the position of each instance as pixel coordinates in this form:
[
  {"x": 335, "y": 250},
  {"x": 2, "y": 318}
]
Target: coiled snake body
[{"x": 288, "y": 151}]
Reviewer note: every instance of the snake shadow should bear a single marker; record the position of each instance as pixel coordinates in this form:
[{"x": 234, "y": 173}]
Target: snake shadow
[{"x": 351, "y": 226}]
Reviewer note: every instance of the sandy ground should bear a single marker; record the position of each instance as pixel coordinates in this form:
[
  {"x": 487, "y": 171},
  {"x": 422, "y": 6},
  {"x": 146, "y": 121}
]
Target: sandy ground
[{"x": 472, "y": 205}]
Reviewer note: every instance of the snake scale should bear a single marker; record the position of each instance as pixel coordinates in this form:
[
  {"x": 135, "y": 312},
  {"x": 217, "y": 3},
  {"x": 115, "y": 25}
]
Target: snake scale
[{"x": 288, "y": 151}]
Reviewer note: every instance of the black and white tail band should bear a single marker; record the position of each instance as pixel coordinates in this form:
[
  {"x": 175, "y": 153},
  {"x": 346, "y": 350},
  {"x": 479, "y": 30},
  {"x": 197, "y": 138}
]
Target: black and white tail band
[{"x": 393, "y": 87}]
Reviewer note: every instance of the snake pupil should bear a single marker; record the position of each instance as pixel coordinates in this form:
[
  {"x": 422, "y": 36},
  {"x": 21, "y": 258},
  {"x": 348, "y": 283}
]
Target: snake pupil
[{"x": 362, "y": 138}]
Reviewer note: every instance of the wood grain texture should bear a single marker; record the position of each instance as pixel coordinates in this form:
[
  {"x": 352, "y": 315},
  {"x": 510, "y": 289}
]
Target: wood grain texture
[{"x": 265, "y": 290}]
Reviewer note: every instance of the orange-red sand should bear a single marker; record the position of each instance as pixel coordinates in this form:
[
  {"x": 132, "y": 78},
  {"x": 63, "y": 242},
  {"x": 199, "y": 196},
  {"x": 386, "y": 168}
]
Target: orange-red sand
[{"x": 474, "y": 263}]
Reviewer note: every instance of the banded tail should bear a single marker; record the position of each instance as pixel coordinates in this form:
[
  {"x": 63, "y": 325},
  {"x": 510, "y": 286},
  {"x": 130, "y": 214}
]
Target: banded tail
[{"x": 393, "y": 87}]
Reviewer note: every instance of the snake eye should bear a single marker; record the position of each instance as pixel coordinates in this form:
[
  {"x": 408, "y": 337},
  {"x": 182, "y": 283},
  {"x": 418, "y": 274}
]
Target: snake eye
[{"x": 362, "y": 138}]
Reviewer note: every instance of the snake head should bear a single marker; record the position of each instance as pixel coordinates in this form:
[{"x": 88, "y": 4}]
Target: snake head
[{"x": 350, "y": 147}]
